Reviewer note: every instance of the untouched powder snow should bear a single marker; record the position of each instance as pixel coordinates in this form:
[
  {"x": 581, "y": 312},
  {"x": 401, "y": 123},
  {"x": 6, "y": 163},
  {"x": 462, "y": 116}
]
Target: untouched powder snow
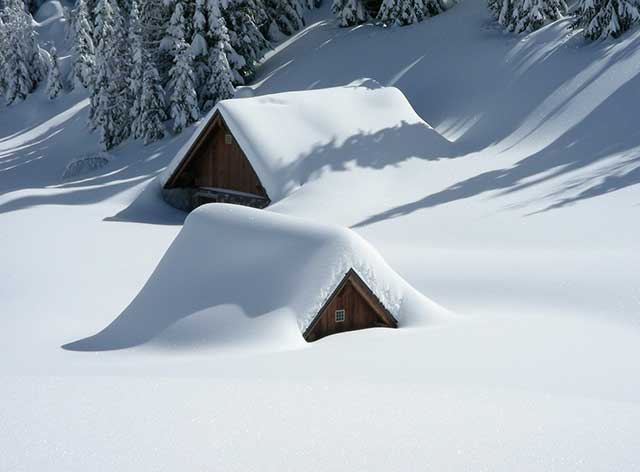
[
  {"x": 526, "y": 227},
  {"x": 266, "y": 265},
  {"x": 291, "y": 137}
]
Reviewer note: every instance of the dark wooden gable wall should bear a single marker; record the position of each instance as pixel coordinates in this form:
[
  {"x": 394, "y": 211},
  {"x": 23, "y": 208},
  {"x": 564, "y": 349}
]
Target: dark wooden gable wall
[
  {"x": 362, "y": 309},
  {"x": 217, "y": 161}
]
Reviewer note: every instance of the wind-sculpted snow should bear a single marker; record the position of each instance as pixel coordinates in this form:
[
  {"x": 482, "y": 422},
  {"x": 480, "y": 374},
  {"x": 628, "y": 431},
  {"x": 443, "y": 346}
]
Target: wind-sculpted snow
[{"x": 266, "y": 265}]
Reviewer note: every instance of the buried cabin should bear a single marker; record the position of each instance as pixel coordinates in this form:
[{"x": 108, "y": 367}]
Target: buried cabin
[
  {"x": 215, "y": 169},
  {"x": 254, "y": 151},
  {"x": 351, "y": 306}
]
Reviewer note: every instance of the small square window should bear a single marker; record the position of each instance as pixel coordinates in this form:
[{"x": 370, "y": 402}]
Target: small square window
[
  {"x": 228, "y": 139},
  {"x": 340, "y": 315}
]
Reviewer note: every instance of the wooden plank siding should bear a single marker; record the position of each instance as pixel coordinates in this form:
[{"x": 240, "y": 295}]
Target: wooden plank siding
[
  {"x": 362, "y": 310},
  {"x": 215, "y": 162}
]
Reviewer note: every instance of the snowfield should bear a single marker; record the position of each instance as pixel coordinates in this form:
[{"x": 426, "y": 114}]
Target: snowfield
[{"x": 525, "y": 229}]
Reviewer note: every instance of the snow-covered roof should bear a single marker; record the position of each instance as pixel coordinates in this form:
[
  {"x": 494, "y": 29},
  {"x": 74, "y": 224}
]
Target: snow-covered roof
[
  {"x": 286, "y": 136},
  {"x": 278, "y": 270}
]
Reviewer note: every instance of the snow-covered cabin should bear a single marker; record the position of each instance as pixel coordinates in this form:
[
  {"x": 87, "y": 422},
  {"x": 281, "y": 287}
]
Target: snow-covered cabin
[
  {"x": 257, "y": 150},
  {"x": 269, "y": 279}
]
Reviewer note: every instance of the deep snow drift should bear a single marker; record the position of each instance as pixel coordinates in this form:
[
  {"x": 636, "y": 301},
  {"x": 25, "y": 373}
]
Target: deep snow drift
[
  {"x": 527, "y": 228},
  {"x": 275, "y": 269}
]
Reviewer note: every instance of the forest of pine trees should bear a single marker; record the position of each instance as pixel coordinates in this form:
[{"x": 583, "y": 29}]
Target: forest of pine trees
[
  {"x": 598, "y": 19},
  {"x": 145, "y": 61}
]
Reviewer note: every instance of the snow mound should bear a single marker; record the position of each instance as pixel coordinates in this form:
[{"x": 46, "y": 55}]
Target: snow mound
[
  {"x": 291, "y": 137},
  {"x": 231, "y": 263}
]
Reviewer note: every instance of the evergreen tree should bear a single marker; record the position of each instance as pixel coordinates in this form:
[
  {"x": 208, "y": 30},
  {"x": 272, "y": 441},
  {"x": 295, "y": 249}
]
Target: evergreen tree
[
  {"x": 121, "y": 68},
  {"x": 219, "y": 34},
  {"x": 286, "y": 15},
  {"x": 402, "y": 12},
  {"x": 495, "y": 7},
  {"x": 109, "y": 94},
  {"x": 4, "y": 45},
  {"x": 220, "y": 84},
  {"x": 24, "y": 63},
  {"x": 244, "y": 35},
  {"x": 603, "y": 18},
  {"x": 199, "y": 47},
  {"x": 148, "y": 107},
  {"x": 151, "y": 104},
  {"x": 506, "y": 14},
  {"x": 350, "y": 12},
  {"x": 154, "y": 18},
  {"x": 137, "y": 70},
  {"x": 54, "y": 85},
  {"x": 530, "y": 15},
  {"x": 83, "y": 49},
  {"x": 183, "y": 101},
  {"x": 434, "y": 7},
  {"x": 526, "y": 15}
]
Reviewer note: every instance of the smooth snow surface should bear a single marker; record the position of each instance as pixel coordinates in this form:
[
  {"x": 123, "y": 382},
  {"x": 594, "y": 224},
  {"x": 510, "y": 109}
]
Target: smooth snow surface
[
  {"x": 277, "y": 269},
  {"x": 291, "y": 138},
  {"x": 527, "y": 228}
]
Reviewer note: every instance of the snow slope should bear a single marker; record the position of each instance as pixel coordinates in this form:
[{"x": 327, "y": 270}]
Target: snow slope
[{"x": 527, "y": 229}]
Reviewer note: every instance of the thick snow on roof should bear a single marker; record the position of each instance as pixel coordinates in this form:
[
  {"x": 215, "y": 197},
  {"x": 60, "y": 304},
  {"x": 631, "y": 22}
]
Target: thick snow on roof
[
  {"x": 289, "y": 136},
  {"x": 275, "y": 269}
]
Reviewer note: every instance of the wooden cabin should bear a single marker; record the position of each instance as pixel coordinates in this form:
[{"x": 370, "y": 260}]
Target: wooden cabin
[
  {"x": 351, "y": 306},
  {"x": 216, "y": 169}
]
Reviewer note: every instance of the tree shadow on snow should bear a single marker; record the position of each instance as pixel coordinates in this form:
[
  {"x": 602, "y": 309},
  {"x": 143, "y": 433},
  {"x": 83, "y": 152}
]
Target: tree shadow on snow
[
  {"x": 34, "y": 157},
  {"x": 388, "y": 147},
  {"x": 584, "y": 133}
]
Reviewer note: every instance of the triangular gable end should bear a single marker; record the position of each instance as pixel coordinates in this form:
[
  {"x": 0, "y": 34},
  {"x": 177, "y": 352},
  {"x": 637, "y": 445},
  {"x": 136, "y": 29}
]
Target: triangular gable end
[
  {"x": 216, "y": 165},
  {"x": 351, "y": 306}
]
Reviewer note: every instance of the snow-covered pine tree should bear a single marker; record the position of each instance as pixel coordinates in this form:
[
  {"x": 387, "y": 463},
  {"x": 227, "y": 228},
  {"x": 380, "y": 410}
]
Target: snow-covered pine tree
[
  {"x": 4, "y": 41},
  {"x": 136, "y": 70},
  {"x": 148, "y": 107},
  {"x": 603, "y": 18},
  {"x": 25, "y": 64},
  {"x": 109, "y": 96},
  {"x": 495, "y": 7},
  {"x": 122, "y": 73},
  {"x": 530, "y": 15},
  {"x": 402, "y": 12},
  {"x": 200, "y": 48},
  {"x": 154, "y": 18},
  {"x": 54, "y": 84},
  {"x": 152, "y": 103},
  {"x": 350, "y": 12},
  {"x": 434, "y": 7},
  {"x": 83, "y": 49},
  {"x": 244, "y": 35},
  {"x": 183, "y": 101},
  {"x": 220, "y": 84},
  {"x": 286, "y": 15},
  {"x": 218, "y": 33},
  {"x": 506, "y": 14}
]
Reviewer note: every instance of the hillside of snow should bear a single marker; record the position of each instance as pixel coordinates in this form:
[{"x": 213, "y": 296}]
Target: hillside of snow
[{"x": 526, "y": 228}]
